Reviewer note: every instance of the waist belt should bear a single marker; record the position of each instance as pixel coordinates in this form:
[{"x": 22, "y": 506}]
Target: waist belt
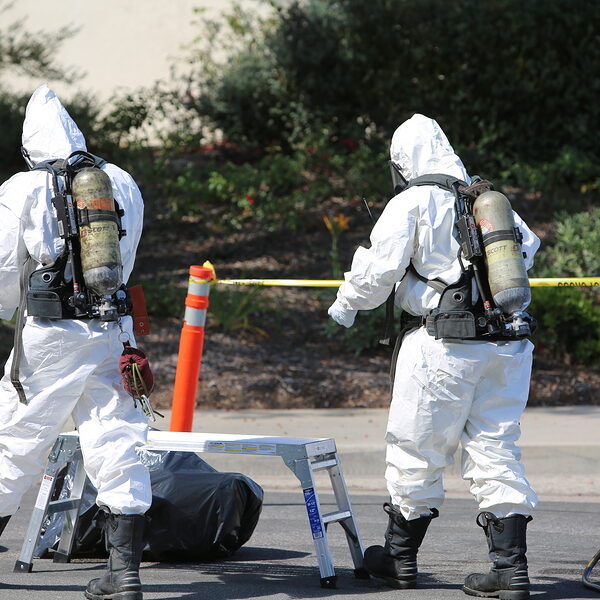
[{"x": 465, "y": 325}]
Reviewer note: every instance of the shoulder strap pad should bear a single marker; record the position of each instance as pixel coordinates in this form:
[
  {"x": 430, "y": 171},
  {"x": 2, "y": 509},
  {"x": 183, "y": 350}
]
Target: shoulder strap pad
[
  {"x": 450, "y": 183},
  {"x": 437, "y": 284},
  {"x": 60, "y": 166},
  {"x": 445, "y": 182},
  {"x": 55, "y": 166},
  {"x": 84, "y": 159}
]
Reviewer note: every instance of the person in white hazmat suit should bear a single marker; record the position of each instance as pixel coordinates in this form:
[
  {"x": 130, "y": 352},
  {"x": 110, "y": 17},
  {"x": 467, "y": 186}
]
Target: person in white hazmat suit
[
  {"x": 445, "y": 392},
  {"x": 69, "y": 367}
]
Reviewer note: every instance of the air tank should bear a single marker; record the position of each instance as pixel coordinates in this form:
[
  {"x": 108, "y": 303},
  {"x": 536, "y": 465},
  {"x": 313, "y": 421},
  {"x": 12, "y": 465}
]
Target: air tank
[
  {"x": 507, "y": 275},
  {"x": 100, "y": 252}
]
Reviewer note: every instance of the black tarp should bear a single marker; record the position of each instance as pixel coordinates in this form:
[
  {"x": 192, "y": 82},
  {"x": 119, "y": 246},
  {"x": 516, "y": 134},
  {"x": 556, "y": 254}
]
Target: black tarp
[{"x": 197, "y": 512}]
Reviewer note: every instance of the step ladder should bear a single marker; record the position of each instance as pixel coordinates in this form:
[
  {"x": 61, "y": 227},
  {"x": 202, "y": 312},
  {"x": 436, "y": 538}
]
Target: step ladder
[{"x": 303, "y": 456}]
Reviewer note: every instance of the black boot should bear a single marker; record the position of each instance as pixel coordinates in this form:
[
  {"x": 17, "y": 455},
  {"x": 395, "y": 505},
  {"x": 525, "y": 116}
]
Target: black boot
[
  {"x": 124, "y": 541},
  {"x": 396, "y": 562},
  {"x": 508, "y": 578},
  {"x": 3, "y": 523}
]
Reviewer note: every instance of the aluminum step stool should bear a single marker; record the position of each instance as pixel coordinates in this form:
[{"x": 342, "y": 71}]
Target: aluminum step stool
[
  {"x": 65, "y": 451},
  {"x": 303, "y": 456}
]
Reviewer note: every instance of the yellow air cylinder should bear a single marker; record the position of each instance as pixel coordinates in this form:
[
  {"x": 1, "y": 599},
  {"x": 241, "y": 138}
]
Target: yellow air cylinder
[
  {"x": 100, "y": 252},
  {"x": 507, "y": 275}
]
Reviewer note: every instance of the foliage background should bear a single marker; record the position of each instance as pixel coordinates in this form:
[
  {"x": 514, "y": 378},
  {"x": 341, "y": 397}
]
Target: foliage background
[{"x": 282, "y": 116}]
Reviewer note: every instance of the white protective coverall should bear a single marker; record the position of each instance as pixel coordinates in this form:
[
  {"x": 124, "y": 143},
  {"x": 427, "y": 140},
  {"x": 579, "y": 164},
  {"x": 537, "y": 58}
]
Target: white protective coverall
[
  {"x": 444, "y": 392},
  {"x": 68, "y": 367}
]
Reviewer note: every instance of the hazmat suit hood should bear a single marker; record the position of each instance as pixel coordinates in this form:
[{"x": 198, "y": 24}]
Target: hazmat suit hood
[
  {"x": 48, "y": 130},
  {"x": 420, "y": 147}
]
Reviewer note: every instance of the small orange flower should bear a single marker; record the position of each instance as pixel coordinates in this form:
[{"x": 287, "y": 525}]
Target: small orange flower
[
  {"x": 337, "y": 224},
  {"x": 342, "y": 222}
]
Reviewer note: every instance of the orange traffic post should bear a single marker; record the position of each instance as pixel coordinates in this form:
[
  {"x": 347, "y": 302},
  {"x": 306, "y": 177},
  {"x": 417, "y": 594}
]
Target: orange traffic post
[{"x": 190, "y": 349}]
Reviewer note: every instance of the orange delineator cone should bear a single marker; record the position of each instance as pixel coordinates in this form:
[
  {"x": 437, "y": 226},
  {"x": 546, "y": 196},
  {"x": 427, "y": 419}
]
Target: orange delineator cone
[{"x": 190, "y": 349}]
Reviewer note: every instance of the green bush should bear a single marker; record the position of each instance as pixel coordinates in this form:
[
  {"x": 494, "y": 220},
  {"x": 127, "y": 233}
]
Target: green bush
[
  {"x": 12, "y": 112},
  {"x": 570, "y": 318},
  {"x": 502, "y": 78},
  {"x": 235, "y": 310},
  {"x": 32, "y": 53},
  {"x": 275, "y": 189},
  {"x": 102, "y": 135},
  {"x": 569, "y": 325},
  {"x": 24, "y": 52},
  {"x": 574, "y": 252}
]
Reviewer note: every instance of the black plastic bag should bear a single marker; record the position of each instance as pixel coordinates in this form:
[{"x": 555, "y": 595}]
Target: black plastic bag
[{"x": 197, "y": 513}]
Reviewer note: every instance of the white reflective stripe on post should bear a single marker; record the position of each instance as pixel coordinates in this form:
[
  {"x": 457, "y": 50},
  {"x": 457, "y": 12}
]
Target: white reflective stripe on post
[
  {"x": 195, "y": 316},
  {"x": 198, "y": 287}
]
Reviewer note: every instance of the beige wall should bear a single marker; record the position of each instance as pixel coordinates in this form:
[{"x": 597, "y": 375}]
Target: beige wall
[{"x": 120, "y": 44}]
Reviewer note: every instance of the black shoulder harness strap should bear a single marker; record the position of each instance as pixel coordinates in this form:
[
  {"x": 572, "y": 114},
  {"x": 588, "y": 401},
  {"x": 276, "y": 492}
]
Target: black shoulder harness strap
[
  {"x": 462, "y": 191},
  {"x": 18, "y": 337},
  {"x": 437, "y": 284},
  {"x": 446, "y": 182},
  {"x": 62, "y": 166},
  {"x": 56, "y": 168},
  {"x": 450, "y": 184}
]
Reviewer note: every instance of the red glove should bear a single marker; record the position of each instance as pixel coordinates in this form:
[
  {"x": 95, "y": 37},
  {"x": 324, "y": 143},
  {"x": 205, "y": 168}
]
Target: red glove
[{"x": 135, "y": 371}]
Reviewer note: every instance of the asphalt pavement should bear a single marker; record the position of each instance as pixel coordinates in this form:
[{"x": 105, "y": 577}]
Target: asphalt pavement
[{"x": 560, "y": 449}]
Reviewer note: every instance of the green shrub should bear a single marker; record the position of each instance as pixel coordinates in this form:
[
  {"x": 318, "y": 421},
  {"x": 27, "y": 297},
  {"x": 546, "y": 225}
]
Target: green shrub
[
  {"x": 569, "y": 324},
  {"x": 570, "y": 318},
  {"x": 498, "y": 76},
  {"x": 230, "y": 309},
  {"x": 28, "y": 53},
  {"x": 234, "y": 309},
  {"x": 574, "y": 252},
  {"x": 276, "y": 189},
  {"x": 12, "y": 112},
  {"x": 83, "y": 110}
]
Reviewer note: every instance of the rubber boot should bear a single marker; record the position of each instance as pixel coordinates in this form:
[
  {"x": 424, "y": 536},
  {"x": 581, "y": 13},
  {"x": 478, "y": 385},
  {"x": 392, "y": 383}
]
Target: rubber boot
[
  {"x": 508, "y": 578},
  {"x": 124, "y": 542},
  {"x": 3, "y": 523},
  {"x": 396, "y": 562}
]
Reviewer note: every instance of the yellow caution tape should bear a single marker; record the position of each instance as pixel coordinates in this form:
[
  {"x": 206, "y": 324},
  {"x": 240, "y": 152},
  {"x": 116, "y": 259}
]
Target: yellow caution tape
[
  {"x": 565, "y": 282},
  {"x": 543, "y": 282},
  {"x": 282, "y": 282}
]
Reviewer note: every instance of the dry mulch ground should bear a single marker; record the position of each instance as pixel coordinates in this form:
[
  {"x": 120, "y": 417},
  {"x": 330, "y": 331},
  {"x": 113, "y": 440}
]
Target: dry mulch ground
[
  {"x": 283, "y": 359},
  {"x": 295, "y": 365},
  {"x": 246, "y": 372}
]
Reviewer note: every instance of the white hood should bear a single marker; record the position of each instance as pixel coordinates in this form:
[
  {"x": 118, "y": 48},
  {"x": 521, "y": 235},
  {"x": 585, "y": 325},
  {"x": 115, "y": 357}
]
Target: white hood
[
  {"x": 420, "y": 147},
  {"x": 48, "y": 130}
]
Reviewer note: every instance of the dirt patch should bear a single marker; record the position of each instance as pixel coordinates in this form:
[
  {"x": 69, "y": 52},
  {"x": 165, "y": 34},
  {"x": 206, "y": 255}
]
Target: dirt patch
[
  {"x": 295, "y": 365},
  {"x": 294, "y": 370},
  {"x": 273, "y": 372},
  {"x": 283, "y": 371}
]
